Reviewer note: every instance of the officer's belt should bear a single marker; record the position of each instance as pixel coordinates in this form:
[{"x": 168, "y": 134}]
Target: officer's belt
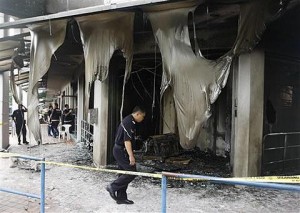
[{"x": 119, "y": 146}]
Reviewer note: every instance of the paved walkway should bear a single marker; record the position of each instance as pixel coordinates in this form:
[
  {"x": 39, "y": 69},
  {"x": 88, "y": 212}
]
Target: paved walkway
[{"x": 77, "y": 190}]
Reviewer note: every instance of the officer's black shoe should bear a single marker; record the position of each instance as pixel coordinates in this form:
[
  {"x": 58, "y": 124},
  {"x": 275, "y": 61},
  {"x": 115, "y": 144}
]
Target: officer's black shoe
[
  {"x": 26, "y": 142},
  {"x": 111, "y": 192},
  {"x": 19, "y": 143},
  {"x": 125, "y": 201}
]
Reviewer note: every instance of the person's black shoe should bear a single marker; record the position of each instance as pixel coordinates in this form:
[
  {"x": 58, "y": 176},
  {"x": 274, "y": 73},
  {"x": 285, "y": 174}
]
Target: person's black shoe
[
  {"x": 111, "y": 192},
  {"x": 125, "y": 201},
  {"x": 19, "y": 143},
  {"x": 26, "y": 142}
]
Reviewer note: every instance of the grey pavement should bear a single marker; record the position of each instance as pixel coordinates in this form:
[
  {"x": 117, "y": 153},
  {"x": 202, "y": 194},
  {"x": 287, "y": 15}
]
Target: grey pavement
[{"x": 78, "y": 190}]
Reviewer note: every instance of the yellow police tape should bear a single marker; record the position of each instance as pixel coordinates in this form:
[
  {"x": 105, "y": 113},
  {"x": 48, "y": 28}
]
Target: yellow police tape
[
  {"x": 266, "y": 179},
  {"x": 7, "y": 154},
  {"x": 104, "y": 170},
  {"x": 269, "y": 179}
]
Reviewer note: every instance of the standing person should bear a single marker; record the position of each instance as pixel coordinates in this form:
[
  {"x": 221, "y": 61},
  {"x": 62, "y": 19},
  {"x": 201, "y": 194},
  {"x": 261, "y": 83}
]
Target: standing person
[
  {"x": 18, "y": 117},
  {"x": 123, "y": 154},
  {"x": 55, "y": 118},
  {"x": 50, "y": 132},
  {"x": 68, "y": 117}
]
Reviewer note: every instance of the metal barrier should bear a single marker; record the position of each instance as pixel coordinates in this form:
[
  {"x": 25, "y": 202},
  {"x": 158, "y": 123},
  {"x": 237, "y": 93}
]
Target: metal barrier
[
  {"x": 283, "y": 147},
  {"x": 87, "y": 134},
  {"x": 164, "y": 177},
  {"x": 218, "y": 180},
  {"x": 42, "y": 190},
  {"x": 252, "y": 181}
]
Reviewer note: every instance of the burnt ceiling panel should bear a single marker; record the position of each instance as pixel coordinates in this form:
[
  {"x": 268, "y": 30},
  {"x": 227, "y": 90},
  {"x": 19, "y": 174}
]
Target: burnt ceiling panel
[
  {"x": 282, "y": 35},
  {"x": 23, "y": 8}
]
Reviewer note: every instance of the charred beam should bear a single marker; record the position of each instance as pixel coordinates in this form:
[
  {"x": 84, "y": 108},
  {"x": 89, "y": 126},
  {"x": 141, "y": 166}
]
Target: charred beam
[{"x": 78, "y": 12}]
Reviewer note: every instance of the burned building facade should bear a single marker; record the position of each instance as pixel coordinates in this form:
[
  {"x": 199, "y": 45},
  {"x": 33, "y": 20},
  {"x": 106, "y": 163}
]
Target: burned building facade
[{"x": 222, "y": 75}]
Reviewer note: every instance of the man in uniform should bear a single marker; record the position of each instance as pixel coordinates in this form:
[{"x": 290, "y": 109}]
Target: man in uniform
[
  {"x": 68, "y": 117},
  {"x": 123, "y": 154},
  {"x": 50, "y": 132},
  {"x": 18, "y": 117},
  {"x": 55, "y": 118}
]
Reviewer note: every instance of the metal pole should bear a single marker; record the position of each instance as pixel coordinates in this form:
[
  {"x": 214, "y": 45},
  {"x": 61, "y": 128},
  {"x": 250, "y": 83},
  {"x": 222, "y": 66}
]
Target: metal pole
[
  {"x": 263, "y": 155},
  {"x": 288, "y": 187},
  {"x": 163, "y": 193},
  {"x": 42, "y": 206},
  {"x": 19, "y": 193},
  {"x": 284, "y": 153}
]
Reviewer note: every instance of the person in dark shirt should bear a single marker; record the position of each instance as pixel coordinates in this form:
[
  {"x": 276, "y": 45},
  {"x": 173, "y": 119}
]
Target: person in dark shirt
[
  {"x": 271, "y": 115},
  {"x": 18, "y": 117},
  {"x": 55, "y": 118},
  {"x": 123, "y": 154},
  {"x": 68, "y": 117},
  {"x": 50, "y": 132}
]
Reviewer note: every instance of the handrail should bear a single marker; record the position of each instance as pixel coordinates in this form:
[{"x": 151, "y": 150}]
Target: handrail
[
  {"x": 86, "y": 132},
  {"x": 284, "y": 147},
  {"x": 164, "y": 177}
]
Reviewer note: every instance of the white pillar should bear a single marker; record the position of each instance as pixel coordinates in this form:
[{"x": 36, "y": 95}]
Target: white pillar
[
  {"x": 20, "y": 93},
  {"x": 249, "y": 120},
  {"x": 4, "y": 110},
  {"x": 80, "y": 106},
  {"x": 1, "y": 21},
  {"x": 101, "y": 127}
]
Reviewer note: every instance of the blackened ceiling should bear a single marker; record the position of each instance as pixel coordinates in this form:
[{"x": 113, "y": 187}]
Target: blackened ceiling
[
  {"x": 23, "y": 8},
  {"x": 283, "y": 35},
  {"x": 216, "y": 24}
]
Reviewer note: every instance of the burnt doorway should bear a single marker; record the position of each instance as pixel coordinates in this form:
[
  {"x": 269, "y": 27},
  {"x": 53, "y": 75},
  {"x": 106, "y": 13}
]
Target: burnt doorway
[
  {"x": 142, "y": 88},
  {"x": 281, "y": 116},
  {"x": 281, "y": 143}
]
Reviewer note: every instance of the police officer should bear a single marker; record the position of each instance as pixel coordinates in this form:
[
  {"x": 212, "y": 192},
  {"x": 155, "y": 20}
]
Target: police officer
[
  {"x": 68, "y": 117},
  {"x": 123, "y": 154},
  {"x": 55, "y": 118},
  {"x": 50, "y": 131},
  {"x": 18, "y": 117}
]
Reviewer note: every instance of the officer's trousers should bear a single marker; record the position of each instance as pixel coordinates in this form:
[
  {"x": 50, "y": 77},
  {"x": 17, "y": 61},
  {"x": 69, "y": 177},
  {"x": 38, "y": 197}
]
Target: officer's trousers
[
  {"x": 121, "y": 183},
  {"x": 19, "y": 128}
]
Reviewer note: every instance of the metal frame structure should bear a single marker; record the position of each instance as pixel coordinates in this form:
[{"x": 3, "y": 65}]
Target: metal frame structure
[
  {"x": 86, "y": 134},
  {"x": 42, "y": 190},
  {"x": 285, "y": 147}
]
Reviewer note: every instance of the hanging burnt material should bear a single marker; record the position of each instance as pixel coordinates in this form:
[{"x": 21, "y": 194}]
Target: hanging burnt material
[{"x": 161, "y": 146}]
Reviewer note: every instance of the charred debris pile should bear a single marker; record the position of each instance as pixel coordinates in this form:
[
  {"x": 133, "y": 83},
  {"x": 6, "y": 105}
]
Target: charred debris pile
[{"x": 163, "y": 153}]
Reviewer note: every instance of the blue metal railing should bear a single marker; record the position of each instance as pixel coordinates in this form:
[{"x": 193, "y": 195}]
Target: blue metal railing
[
  {"x": 164, "y": 178},
  {"x": 219, "y": 180},
  {"x": 42, "y": 190}
]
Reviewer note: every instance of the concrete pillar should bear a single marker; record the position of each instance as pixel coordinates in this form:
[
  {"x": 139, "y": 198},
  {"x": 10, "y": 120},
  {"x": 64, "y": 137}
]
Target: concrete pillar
[
  {"x": 101, "y": 127},
  {"x": 20, "y": 93},
  {"x": 80, "y": 106},
  {"x": 1, "y": 21},
  {"x": 249, "y": 120},
  {"x": 4, "y": 110}
]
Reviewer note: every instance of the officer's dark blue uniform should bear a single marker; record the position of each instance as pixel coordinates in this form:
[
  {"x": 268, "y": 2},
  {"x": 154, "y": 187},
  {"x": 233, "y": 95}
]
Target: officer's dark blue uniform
[
  {"x": 55, "y": 118},
  {"x": 18, "y": 117},
  {"x": 126, "y": 132},
  {"x": 124, "y": 155}
]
